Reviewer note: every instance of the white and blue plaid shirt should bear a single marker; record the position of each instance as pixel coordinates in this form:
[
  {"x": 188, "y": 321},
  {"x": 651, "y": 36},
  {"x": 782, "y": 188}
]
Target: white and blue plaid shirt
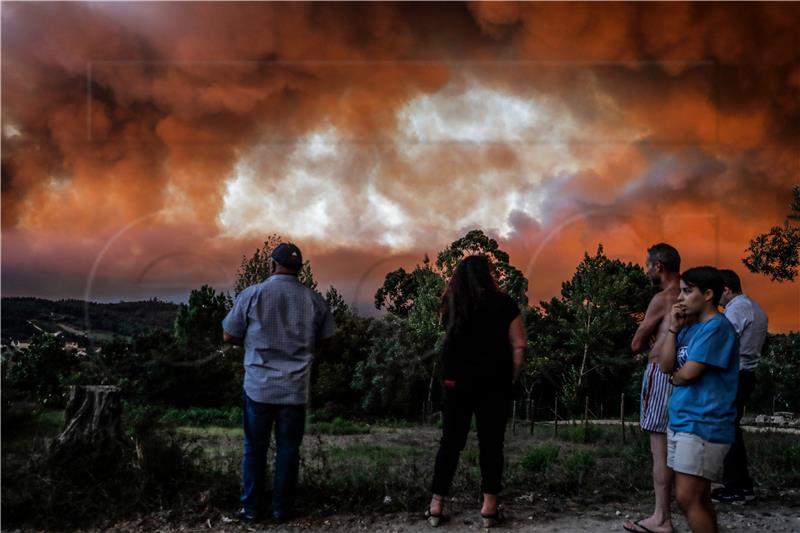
[{"x": 280, "y": 320}]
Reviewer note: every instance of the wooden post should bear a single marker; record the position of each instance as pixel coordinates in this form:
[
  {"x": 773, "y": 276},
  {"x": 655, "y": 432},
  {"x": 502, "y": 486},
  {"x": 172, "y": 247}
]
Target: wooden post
[
  {"x": 601, "y": 410},
  {"x": 622, "y": 415},
  {"x": 514, "y": 417},
  {"x": 533, "y": 415},
  {"x": 585, "y": 419},
  {"x": 555, "y": 417}
]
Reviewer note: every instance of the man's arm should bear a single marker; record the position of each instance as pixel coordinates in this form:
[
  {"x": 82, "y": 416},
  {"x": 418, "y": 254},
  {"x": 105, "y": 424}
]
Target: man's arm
[
  {"x": 230, "y": 339},
  {"x": 652, "y": 318},
  {"x": 739, "y": 317},
  {"x": 659, "y": 351}
]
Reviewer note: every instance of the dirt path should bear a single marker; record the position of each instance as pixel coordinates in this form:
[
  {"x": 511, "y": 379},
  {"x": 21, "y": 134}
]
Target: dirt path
[{"x": 759, "y": 516}]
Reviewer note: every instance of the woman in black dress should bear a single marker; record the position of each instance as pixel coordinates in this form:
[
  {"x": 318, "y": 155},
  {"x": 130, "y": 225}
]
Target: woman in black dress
[{"x": 482, "y": 357}]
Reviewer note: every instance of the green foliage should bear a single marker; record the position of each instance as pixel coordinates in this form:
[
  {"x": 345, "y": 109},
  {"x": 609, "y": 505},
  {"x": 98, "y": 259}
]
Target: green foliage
[
  {"x": 401, "y": 289},
  {"x": 583, "y": 434},
  {"x": 777, "y": 254},
  {"x": 336, "y": 302},
  {"x": 511, "y": 280},
  {"x": 336, "y": 359},
  {"x": 578, "y": 464},
  {"x": 540, "y": 458},
  {"x": 580, "y": 341},
  {"x": 778, "y": 374},
  {"x": 255, "y": 269},
  {"x": 423, "y": 316},
  {"x": 198, "y": 325},
  {"x": 393, "y": 378},
  {"x": 39, "y": 369}
]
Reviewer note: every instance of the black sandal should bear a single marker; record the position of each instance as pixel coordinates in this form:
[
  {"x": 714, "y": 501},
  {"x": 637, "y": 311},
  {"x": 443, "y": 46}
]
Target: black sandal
[
  {"x": 494, "y": 519},
  {"x": 435, "y": 519}
]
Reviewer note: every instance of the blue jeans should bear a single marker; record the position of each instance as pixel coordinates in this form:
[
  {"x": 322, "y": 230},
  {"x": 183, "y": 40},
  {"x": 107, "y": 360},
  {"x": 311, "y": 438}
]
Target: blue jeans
[{"x": 289, "y": 421}]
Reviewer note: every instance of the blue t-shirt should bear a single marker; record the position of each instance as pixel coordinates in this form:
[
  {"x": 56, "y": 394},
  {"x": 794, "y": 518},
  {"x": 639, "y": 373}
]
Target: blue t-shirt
[{"x": 707, "y": 407}]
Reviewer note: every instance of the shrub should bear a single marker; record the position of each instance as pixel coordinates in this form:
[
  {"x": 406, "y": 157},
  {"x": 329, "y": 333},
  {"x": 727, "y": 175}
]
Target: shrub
[
  {"x": 577, "y": 465},
  {"x": 39, "y": 369},
  {"x": 540, "y": 458}
]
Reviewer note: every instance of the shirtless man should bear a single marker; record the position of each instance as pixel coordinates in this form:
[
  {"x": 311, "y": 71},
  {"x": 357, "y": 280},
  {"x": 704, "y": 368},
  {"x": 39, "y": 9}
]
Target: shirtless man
[{"x": 662, "y": 265}]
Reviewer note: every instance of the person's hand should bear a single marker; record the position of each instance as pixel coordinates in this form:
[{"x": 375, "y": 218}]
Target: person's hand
[{"x": 677, "y": 317}]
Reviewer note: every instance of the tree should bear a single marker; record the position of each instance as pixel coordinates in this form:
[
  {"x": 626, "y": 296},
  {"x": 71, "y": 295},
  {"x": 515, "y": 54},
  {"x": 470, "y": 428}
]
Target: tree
[
  {"x": 255, "y": 269},
  {"x": 393, "y": 377},
  {"x": 778, "y": 373},
  {"x": 400, "y": 288},
  {"x": 586, "y": 332},
  {"x": 198, "y": 325},
  {"x": 476, "y": 242},
  {"x": 39, "y": 369},
  {"x": 336, "y": 359},
  {"x": 777, "y": 253}
]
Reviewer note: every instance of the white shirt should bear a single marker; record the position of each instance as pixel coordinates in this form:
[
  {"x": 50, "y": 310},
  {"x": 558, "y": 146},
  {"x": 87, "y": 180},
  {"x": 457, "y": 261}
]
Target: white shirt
[{"x": 750, "y": 323}]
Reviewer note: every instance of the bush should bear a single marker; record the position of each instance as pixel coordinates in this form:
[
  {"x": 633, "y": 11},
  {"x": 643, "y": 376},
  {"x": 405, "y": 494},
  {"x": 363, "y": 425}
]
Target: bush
[
  {"x": 577, "y": 465},
  {"x": 39, "y": 369},
  {"x": 540, "y": 458}
]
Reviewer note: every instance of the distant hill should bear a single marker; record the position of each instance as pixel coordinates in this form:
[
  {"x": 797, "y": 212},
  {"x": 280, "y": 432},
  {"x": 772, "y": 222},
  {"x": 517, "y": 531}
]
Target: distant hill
[{"x": 24, "y": 317}]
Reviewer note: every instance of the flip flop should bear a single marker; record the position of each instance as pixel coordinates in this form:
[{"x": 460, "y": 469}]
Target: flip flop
[{"x": 641, "y": 529}]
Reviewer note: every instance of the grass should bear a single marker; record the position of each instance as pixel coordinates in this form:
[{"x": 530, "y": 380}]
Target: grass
[
  {"x": 31, "y": 436},
  {"x": 351, "y": 466},
  {"x": 338, "y": 426},
  {"x": 540, "y": 458}
]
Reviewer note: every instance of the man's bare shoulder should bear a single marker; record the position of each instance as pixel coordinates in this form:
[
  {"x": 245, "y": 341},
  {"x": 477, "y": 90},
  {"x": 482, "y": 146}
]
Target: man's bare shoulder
[
  {"x": 666, "y": 296},
  {"x": 657, "y": 302}
]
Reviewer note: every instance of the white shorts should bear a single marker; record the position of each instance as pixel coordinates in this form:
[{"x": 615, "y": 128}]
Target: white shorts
[{"x": 689, "y": 454}]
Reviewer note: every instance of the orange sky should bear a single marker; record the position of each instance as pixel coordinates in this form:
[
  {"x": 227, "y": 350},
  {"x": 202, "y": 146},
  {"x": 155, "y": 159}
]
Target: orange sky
[{"x": 147, "y": 146}]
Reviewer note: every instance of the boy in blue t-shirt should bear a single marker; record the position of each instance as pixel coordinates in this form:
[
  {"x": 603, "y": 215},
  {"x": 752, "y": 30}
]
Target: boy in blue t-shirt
[{"x": 703, "y": 362}]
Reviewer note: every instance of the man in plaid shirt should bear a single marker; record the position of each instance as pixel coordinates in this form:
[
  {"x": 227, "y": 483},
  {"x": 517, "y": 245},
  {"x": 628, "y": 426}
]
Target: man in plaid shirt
[{"x": 278, "y": 321}]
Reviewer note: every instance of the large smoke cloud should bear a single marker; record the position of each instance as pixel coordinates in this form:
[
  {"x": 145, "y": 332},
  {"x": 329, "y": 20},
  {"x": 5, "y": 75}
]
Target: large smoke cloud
[{"x": 372, "y": 130}]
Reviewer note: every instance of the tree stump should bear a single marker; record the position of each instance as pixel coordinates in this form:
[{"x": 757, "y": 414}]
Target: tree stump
[{"x": 92, "y": 432}]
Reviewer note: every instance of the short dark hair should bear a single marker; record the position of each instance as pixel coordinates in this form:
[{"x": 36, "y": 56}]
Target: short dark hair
[
  {"x": 731, "y": 280},
  {"x": 705, "y": 278},
  {"x": 665, "y": 254}
]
